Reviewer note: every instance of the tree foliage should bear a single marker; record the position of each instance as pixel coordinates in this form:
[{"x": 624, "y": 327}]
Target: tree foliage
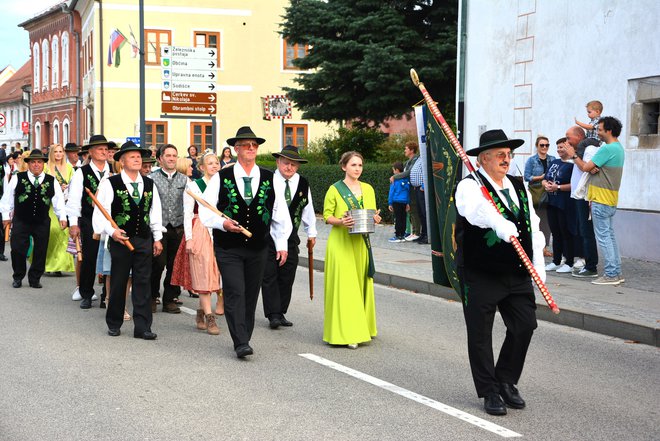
[{"x": 361, "y": 52}]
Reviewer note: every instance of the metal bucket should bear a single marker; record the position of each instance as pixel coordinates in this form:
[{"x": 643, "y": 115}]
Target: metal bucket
[{"x": 364, "y": 221}]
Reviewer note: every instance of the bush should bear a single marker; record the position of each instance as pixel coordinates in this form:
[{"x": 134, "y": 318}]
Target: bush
[
  {"x": 391, "y": 150},
  {"x": 331, "y": 147}
]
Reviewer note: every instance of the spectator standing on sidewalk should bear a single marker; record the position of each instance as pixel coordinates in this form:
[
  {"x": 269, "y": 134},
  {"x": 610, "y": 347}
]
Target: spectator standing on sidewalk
[
  {"x": 398, "y": 203},
  {"x": 417, "y": 193},
  {"x": 606, "y": 166},
  {"x": 410, "y": 150},
  {"x": 535, "y": 169}
]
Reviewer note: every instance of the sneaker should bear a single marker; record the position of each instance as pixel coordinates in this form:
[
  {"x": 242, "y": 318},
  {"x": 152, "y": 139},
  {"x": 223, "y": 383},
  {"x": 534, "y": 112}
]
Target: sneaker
[
  {"x": 396, "y": 239},
  {"x": 584, "y": 273},
  {"x": 607, "y": 280},
  {"x": 95, "y": 297},
  {"x": 76, "y": 297},
  {"x": 551, "y": 267},
  {"x": 411, "y": 237},
  {"x": 564, "y": 269},
  {"x": 579, "y": 263},
  {"x": 621, "y": 279}
]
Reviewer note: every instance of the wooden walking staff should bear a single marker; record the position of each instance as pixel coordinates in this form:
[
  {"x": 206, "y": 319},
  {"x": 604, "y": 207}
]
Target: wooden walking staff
[
  {"x": 216, "y": 211},
  {"x": 7, "y": 232},
  {"x": 105, "y": 214},
  {"x": 461, "y": 153},
  {"x": 310, "y": 266},
  {"x": 79, "y": 254}
]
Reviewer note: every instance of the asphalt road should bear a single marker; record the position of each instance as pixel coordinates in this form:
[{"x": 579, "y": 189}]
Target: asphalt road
[{"x": 63, "y": 378}]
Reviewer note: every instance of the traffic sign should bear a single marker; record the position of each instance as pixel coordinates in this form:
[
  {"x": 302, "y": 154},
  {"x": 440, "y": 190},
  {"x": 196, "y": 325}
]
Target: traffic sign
[
  {"x": 3, "y": 120},
  {"x": 188, "y": 86},
  {"x": 188, "y": 74},
  {"x": 134, "y": 139},
  {"x": 188, "y": 53},
  {"x": 25, "y": 127},
  {"x": 189, "y": 97},
  {"x": 187, "y": 64},
  {"x": 189, "y": 108}
]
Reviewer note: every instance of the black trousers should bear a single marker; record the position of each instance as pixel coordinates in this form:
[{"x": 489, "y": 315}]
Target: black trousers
[
  {"x": 171, "y": 241},
  {"x": 399, "y": 218},
  {"x": 20, "y": 243},
  {"x": 242, "y": 272},
  {"x": 278, "y": 280},
  {"x": 2, "y": 242},
  {"x": 587, "y": 235},
  {"x": 563, "y": 241},
  {"x": 418, "y": 194},
  {"x": 513, "y": 295},
  {"x": 125, "y": 264},
  {"x": 90, "y": 248}
]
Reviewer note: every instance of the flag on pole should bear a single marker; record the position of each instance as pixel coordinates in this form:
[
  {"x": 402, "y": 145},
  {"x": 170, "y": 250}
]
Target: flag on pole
[
  {"x": 117, "y": 41},
  {"x": 134, "y": 44}
]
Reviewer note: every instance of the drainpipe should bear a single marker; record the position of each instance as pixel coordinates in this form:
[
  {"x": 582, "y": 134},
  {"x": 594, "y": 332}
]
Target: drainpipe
[
  {"x": 76, "y": 37},
  {"x": 101, "y": 62}
]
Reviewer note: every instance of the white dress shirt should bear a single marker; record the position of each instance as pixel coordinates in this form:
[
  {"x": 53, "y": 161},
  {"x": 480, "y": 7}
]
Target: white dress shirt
[
  {"x": 105, "y": 195},
  {"x": 7, "y": 201},
  {"x": 189, "y": 209},
  {"x": 308, "y": 216},
  {"x": 280, "y": 223},
  {"x": 76, "y": 188}
]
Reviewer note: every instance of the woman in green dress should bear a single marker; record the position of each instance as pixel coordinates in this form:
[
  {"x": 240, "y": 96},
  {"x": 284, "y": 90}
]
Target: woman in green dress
[
  {"x": 350, "y": 308},
  {"x": 57, "y": 258}
]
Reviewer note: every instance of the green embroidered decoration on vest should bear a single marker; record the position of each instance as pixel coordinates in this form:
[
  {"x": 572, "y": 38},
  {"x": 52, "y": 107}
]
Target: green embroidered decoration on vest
[
  {"x": 232, "y": 195},
  {"x": 262, "y": 194}
]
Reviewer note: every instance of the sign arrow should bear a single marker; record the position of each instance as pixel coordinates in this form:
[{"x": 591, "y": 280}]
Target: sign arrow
[
  {"x": 211, "y": 64},
  {"x": 212, "y": 53},
  {"x": 212, "y": 86},
  {"x": 212, "y": 75},
  {"x": 212, "y": 97}
]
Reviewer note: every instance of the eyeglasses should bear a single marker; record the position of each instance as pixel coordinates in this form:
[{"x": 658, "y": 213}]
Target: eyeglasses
[
  {"x": 503, "y": 155},
  {"x": 247, "y": 144},
  {"x": 544, "y": 145}
]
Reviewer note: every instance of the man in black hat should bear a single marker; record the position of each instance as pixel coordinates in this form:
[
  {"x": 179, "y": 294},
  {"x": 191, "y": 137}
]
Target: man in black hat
[
  {"x": 29, "y": 197},
  {"x": 245, "y": 194},
  {"x": 278, "y": 279},
  {"x": 134, "y": 204},
  {"x": 71, "y": 150},
  {"x": 79, "y": 209},
  {"x": 491, "y": 273}
]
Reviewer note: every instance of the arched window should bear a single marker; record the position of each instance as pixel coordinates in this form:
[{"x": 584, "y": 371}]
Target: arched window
[
  {"x": 65, "y": 59},
  {"x": 65, "y": 131},
  {"x": 55, "y": 61},
  {"x": 56, "y": 132},
  {"x": 36, "y": 66},
  {"x": 37, "y": 136},
  {"x": 45, "y": 64}
]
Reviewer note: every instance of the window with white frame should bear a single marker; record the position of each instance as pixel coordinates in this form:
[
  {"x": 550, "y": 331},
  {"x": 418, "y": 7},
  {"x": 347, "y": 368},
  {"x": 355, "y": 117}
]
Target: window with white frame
[
  {"x": 55, "y": 58},
  {"x": 65, "y": 59},
  {"x": 45, "y": 64},
  {"x": 65, "y": 131},
  {"x": 36, "y": 66},
  {"x": 37, "y": 136},
  {"x": 56, "y": 132}
]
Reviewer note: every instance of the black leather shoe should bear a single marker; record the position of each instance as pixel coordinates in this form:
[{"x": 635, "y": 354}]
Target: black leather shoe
[
  {"x": 114, "y": 332},
  {"x": 511, "y": 396},
  {"x": 36, "y": 285},
  {"x": 275, "y": 322},
  {"x": 146, "y": 335},
  {"x": 85, "y": 303},
  {"x": 16, "y": 284},
  {"x": 3, "y": 258},
  {"x": 285, "y": 322},
  {"x": 493, "y": 405},
  {"x": 243, "y": 351}
]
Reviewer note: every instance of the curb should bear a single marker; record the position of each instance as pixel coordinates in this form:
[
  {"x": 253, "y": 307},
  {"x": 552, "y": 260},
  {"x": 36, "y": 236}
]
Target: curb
[{"x": 575, "y": 318}]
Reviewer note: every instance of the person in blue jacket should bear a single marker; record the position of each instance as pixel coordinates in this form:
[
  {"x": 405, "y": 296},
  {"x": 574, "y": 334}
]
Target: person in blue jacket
[{"x": 399, "y": 203}]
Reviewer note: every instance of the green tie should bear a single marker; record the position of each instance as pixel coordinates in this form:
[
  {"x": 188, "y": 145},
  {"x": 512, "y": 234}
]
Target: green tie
[
  {"x": 101, "y": 173},
  {"x": 512, "y": 205},
  {"x": 287, "y": 192},
  {"x": 135, "y": 195},
  {"x": 36, "y": 180},
  {"x": 247, "y": 190}
]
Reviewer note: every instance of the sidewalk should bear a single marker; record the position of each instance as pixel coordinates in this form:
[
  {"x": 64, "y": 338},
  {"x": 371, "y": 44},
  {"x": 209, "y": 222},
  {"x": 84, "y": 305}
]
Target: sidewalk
[{"x": 630, "y": 311}]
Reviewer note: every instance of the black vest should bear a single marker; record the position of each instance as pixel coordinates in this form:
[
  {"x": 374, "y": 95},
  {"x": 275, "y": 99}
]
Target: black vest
[
  {"x": 132, "y": 218},
  {"x": 2, "y": 179},
  {"x": 298, "y": 203},
  {"x": 89, "y": 181},
  {"x": 31, "y": 203},
  {"x": 256, "y": 217},
  {"x": 481, "y": 249}
]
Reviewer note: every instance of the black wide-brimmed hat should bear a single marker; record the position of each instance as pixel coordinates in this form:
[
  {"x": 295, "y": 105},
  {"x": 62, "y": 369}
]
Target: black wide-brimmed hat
[
  {"x": 112, "y": 145},
  {"x": 493, "y": 139},
  {"x": 71, "y": 147},
  {"x": 245, "y": 132},
  {"x": 130, "y": 146},
  {"x": 35, "y": 154},
  {"x": 290, "y": 152},
  {"x": 94, "y": 141},
  {"x": 148, "y": 159}
]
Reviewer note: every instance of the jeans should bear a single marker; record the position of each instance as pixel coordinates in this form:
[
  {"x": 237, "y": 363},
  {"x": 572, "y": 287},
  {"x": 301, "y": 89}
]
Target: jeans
[{"x": 603, "y": 216}]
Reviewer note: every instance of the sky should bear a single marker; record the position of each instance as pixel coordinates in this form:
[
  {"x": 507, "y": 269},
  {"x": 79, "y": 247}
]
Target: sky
[{"x": 15, "y": 41}]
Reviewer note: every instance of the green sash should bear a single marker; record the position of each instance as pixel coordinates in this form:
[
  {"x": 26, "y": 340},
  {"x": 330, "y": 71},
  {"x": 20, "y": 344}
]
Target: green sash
[
  {"x": 201, "y": 183},
  {"x": 353, "y": 203}
]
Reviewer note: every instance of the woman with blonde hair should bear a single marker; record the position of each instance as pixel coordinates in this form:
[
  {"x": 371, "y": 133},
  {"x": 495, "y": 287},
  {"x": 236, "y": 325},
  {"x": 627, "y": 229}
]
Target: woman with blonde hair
[{"x": 184, "y": 166}]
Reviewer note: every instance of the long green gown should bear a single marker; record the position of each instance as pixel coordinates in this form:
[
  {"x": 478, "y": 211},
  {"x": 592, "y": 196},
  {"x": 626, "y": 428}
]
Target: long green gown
[
  {"x": 57, "y": 259},
  {"x": 350, "y": 308}
]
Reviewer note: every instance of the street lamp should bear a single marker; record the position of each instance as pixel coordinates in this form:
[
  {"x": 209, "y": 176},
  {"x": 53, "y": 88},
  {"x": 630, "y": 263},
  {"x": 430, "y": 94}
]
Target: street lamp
[{"x": 27, "y": 101}]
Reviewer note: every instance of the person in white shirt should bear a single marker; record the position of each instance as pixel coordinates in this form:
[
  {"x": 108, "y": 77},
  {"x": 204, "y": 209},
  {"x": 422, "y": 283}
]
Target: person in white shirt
[
  {"x": 133, "y": 203},
  {"x": 278, "y": 279}
]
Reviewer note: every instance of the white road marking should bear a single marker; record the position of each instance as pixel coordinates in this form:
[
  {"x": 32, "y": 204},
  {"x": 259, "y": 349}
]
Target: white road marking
[
  {"x": 499, "y": 430},
  {"x": 188, "y": 310}
]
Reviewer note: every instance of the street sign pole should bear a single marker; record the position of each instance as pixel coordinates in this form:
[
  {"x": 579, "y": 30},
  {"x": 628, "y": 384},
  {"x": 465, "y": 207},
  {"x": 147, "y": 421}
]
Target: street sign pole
[{"x": 143, "y": 125}]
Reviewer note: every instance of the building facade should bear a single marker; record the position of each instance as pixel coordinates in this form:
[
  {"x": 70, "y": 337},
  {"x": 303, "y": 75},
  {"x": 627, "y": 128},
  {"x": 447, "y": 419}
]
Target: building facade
[{"x": 15, "y": 107}]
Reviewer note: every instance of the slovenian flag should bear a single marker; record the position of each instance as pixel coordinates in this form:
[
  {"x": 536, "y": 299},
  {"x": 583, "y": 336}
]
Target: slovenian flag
[{"x": 117, "y": 40}]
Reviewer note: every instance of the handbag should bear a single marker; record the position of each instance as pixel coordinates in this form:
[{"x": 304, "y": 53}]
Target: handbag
[{"x": 539, "y": 195}]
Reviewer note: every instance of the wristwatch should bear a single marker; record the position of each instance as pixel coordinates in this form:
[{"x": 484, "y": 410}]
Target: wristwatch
[{"x": 574, "y": 157}]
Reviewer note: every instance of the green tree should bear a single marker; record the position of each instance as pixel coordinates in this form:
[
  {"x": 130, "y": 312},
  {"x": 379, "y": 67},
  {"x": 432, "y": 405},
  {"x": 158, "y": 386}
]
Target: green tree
[{"x": 361, "y": 53}]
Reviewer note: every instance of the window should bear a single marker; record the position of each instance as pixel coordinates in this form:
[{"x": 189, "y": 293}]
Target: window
[
  {"x": 55, "y": 61},
  {"x": 36, "y": 69},
  {"x": 201, "y": 135},
  {"x": 156, "y": 133},
  {"x": 45, "y": 64},
  {"x": 37, "y": 136},
  {"x": 65, "y": 131},
  {"x": 56, "y": 132},
  {"x": 295, "y": 135},
  {"x": 65, "y": 59},
  {"x": 209, "y": 39},
  {"x": 155, "y": 40},
  {"x": 292, "y": 52}
]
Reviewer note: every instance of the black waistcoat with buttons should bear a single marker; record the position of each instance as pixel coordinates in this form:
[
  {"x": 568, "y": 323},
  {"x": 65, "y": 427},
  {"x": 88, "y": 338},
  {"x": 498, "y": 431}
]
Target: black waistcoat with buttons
[
  {"x": 480, "y": 248},
  {"x": 255, "y": 217},
  {"x": 298, "y": 203},
  {"x": 31, "y": 203},
  {"x": 89, "y": 181},
  {"x": 132, "y": 218}
]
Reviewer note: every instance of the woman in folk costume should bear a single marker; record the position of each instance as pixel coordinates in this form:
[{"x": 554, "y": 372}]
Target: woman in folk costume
[
  {"x": 195, "y": 267},
  {"x": 57, "y": 258},
  {"x": 350, "y": 308}
]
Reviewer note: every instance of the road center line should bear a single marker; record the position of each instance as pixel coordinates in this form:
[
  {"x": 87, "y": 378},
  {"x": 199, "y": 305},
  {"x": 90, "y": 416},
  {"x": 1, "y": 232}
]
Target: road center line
[
  {"x": 502, "y": 431},
  {"x": 188, "y": 310}
]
